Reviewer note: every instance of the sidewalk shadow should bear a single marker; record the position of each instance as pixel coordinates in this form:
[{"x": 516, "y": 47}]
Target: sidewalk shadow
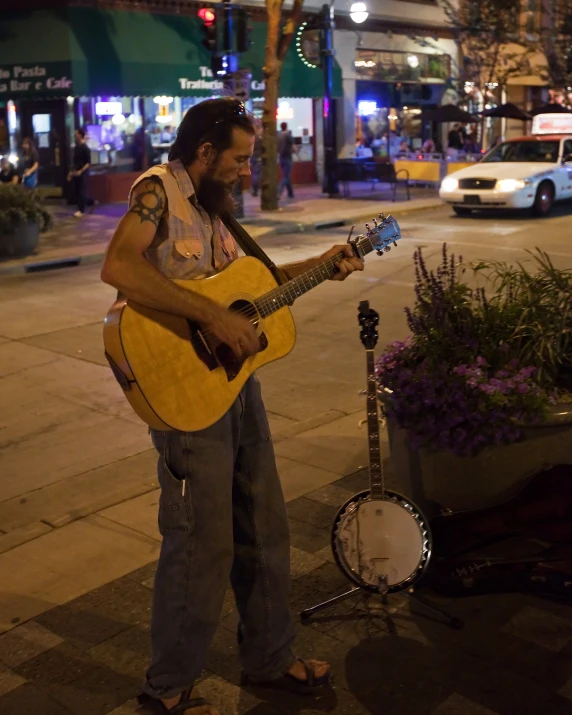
[{"x": 276, "y": 702}]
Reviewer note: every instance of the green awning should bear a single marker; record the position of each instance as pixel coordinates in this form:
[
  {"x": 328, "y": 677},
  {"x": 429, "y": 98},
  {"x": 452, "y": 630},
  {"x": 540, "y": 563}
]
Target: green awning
[{"x": 78, "y": 51}]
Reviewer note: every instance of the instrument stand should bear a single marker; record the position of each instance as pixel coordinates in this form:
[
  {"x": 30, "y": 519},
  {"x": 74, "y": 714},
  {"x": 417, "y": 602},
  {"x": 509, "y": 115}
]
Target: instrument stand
[{"x": 449, "y": 620}]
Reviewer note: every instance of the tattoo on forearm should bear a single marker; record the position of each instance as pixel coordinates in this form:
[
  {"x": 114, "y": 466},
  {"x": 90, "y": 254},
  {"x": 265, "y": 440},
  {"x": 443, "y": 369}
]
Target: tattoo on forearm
[{"x": 148, "y": 201}]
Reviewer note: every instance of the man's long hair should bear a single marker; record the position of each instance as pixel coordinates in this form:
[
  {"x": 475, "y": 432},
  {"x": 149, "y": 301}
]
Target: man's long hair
[{"x": 210, "y": 121}]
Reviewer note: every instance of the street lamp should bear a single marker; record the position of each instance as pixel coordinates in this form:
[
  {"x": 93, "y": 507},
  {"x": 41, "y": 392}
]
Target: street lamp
[{"x": 358, "y": 13}]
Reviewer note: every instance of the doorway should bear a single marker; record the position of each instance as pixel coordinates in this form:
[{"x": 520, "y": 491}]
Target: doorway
[{"x": 45, "y": 122}]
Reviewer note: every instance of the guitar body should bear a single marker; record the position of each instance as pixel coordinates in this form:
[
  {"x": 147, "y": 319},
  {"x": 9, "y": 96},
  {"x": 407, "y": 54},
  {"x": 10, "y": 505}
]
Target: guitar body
[{"x": 172, "y": 377}]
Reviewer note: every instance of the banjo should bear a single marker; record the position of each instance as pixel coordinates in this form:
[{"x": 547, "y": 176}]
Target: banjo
[{"x": 380, "y": 539}]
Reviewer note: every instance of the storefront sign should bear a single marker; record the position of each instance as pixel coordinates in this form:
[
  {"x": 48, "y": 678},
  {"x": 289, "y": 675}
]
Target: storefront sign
[
  {"x": 209, "y": 83},
  {"x": 31, "y": 79}
]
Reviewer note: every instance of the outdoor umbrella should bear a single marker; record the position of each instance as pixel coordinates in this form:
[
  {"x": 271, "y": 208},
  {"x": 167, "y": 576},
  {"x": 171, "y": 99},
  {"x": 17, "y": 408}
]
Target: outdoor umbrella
[
  {"x": 448, "y": 113},
  {"x": 508, "y": 111},
  {"x": 551, "y": 109}
]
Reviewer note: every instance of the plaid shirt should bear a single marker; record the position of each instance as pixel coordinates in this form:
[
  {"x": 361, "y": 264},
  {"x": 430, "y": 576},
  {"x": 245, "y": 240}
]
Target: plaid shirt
[{"x": 188, "y": 242}]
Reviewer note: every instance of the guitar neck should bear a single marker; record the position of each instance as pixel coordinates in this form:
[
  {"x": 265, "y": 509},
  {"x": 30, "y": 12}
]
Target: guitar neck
[
  {"x": 286, "y": 294},
  {"x": 375, "y": 468}
]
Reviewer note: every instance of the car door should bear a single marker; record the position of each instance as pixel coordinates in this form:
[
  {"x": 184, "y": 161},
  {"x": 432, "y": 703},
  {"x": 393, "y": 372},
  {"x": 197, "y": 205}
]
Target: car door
[{"x": 566, "y": 169}]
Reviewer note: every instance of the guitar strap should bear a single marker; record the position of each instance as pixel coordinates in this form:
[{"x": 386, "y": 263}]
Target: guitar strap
[{"x": 251, "y": 248}]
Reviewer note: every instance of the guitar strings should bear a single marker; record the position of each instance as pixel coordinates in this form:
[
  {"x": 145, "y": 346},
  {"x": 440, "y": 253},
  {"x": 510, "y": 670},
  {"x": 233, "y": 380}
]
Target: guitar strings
[{"x": 252, "y": 313}]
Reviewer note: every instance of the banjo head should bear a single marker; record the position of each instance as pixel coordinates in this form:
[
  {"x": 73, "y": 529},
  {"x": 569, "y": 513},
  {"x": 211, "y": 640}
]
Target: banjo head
[{"x": 381, "y": 545}]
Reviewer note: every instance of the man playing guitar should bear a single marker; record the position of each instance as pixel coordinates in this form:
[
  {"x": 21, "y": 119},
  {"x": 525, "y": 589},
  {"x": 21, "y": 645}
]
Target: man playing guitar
[{"x": 221, "y": 511}]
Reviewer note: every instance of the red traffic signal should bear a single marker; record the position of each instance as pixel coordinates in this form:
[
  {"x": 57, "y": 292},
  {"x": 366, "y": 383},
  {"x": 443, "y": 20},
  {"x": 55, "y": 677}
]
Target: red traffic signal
[{"x": 207, "y": 15}]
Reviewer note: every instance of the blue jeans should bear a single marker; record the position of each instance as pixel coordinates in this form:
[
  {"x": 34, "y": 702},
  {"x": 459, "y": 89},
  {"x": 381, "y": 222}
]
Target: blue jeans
[
  {"x": 286, "y": 167},
  {"x": 230, "y": 523}
]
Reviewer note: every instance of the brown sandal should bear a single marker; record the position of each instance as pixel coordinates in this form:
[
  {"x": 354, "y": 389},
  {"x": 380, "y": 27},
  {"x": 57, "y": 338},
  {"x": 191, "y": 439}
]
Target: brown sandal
[
  {"x": 185, "y": 703},
  {"x": 291, "y": 683}
]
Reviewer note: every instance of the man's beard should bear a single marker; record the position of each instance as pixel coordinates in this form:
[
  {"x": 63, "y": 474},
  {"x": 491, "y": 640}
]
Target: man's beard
[{"x": 215, "y": 196}]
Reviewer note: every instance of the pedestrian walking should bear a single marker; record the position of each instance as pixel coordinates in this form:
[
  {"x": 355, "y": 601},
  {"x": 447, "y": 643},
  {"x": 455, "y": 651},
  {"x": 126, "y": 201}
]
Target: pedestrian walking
[
  {"x": 29, "y": 163},
  {"x": 285, "y": 157},
  {"x": 80, "y": 170}
]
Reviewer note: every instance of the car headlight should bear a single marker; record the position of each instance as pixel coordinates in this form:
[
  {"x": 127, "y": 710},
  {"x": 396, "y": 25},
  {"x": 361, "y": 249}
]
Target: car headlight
[
  {"x": 509, "y": 185},
  {"x": 449, "y": 184}
]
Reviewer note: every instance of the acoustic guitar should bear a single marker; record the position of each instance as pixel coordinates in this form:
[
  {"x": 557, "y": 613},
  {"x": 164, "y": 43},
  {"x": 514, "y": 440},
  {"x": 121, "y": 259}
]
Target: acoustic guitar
[{"x": 173, "y": 375}]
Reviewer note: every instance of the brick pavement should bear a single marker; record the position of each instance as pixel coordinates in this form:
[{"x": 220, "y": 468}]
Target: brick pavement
[{"x": 514, "y": 656}]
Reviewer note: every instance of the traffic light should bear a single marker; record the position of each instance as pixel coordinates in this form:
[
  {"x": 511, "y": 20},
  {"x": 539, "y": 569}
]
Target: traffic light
[
  {"x": 243, "y": 29},
  {"x": 209, "y": 28}
]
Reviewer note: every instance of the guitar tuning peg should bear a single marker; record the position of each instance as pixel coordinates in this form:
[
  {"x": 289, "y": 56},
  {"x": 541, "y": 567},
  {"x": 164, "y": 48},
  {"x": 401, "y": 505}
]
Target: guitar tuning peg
[
  {"x": 375, "y": 221},
  {"x": 395, "y": 244},
  {"x": 387, "y": 249},
  {"x": 367, "y": 226},
  {"x": 382, "y": 216},
  {"x": 379, "y": 252}
]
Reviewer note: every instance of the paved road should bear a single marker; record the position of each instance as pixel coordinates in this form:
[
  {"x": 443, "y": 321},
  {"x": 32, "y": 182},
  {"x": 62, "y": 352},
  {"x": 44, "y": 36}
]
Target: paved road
[{"x": 77, "y": 475}]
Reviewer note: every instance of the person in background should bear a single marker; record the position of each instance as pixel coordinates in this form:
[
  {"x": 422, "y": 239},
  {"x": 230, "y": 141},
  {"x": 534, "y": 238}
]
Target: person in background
[
  {"x": 428, "y": 146},
  {"x": 455, "y": 140},
  {"x": 8, "y": 174},
  {"x": 471, "y": 145},
  {"x": 29, "y": 163},
  {"x": 138, "y": 149},
  {"x": 403, "y": 149},
  {"x": 4, "y": 137},
  {"x": 80, "y": 170},
  {"x": 256, "y": 165},
  {"x": 285, "y": 157},
  {"x": 167, "y": 135}
]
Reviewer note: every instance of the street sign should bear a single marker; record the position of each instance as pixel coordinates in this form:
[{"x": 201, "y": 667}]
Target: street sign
[{"x": 241, "y": 84}]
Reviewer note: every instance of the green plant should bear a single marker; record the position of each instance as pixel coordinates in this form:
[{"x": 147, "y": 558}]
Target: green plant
[
  {"x": 538, "y": 306},
  {"x": 19, "y": 205},
  {"x": 480, "y": 363}
]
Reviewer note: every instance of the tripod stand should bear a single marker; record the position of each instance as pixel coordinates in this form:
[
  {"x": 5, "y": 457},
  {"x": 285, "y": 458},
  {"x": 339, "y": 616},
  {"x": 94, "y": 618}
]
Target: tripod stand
[{"x": 451, "y": 621}]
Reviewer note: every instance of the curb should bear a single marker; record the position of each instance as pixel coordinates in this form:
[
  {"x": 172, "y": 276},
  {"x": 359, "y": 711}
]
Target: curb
[{"x": 279, "y": 228}]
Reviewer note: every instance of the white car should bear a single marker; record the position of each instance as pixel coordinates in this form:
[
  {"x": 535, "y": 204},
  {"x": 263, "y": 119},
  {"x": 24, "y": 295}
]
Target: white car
[{"x": 527, "y": 173}]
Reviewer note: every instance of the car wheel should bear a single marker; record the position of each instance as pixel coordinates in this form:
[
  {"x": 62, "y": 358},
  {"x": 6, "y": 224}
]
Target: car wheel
[
  {"x": 544, "y": 199},
  {"x": 461, "y": 210}
]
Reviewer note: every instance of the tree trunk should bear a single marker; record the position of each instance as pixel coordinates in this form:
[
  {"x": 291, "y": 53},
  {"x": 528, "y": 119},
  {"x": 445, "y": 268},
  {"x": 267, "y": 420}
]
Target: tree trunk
[
  {"x": 272, "y": 71},
  {"x": 277, "y": 43}
]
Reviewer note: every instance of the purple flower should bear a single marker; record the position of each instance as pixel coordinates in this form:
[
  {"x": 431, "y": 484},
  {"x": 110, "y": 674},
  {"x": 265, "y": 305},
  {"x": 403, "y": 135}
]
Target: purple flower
[
  {"x": 481, "y": 362},
  {"x": 523, "y": 388}
]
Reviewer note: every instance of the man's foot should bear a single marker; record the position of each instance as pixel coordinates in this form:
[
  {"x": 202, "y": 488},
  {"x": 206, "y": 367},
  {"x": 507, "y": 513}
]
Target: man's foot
[
  {"x": 78, "y": 214},
  {"x": 303, "y": 678},
  {"x": 319, "y": 668}
]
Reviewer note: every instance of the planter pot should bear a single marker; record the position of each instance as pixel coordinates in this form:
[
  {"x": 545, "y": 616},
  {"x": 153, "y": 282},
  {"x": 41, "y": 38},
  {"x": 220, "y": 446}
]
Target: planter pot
[
  {"x": 439, "y": 481},
  {"x": 21, "y": 242}
]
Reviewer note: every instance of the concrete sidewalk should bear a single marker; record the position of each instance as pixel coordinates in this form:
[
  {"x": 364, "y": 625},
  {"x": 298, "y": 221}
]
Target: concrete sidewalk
[{"x": 73, "y": 242}]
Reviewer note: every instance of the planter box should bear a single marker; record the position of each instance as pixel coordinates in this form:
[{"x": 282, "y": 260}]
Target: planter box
[
  {"x": 439, "y": 481},
  {"x": 21, "y": 242}
]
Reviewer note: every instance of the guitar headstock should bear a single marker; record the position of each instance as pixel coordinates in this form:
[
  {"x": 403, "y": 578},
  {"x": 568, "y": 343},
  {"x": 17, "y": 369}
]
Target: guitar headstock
[
  {"x": 368, "y": 320},
  {"x": 383, "y": 234}
]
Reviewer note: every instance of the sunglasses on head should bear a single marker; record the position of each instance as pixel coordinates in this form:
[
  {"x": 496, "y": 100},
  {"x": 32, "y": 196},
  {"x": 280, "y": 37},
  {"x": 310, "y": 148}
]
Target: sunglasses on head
[{"x": 234, "y": 108}]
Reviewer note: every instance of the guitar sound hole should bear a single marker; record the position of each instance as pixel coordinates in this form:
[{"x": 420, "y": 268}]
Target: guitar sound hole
[{"x": 245, "y": 308}]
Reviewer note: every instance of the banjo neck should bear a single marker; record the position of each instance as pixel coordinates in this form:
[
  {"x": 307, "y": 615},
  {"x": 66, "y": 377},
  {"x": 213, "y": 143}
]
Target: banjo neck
[{"x": 376, "y": 478}]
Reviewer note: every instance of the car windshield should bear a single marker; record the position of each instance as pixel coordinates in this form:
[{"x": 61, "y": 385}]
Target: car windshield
[{"x": 525, "y": 151}]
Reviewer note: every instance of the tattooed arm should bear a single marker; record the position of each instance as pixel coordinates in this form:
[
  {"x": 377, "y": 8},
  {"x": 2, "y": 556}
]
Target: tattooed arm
[{"x": 126, "y": 268}]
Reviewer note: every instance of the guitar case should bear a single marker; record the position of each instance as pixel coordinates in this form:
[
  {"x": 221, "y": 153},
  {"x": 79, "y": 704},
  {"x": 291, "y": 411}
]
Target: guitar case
[{"x": 468, "y": 546}]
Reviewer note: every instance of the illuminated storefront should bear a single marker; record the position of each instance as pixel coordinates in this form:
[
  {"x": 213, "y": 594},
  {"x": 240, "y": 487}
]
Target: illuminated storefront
[{"x": 93, "y": 68}]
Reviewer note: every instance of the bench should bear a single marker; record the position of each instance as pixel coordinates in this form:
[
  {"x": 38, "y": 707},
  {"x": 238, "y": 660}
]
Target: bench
[{"x": 370, "y": 171}]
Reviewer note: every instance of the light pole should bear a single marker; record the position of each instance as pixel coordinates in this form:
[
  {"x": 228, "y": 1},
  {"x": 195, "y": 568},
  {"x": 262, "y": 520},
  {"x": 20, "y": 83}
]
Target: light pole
[{"x": 358, "y": 13}]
